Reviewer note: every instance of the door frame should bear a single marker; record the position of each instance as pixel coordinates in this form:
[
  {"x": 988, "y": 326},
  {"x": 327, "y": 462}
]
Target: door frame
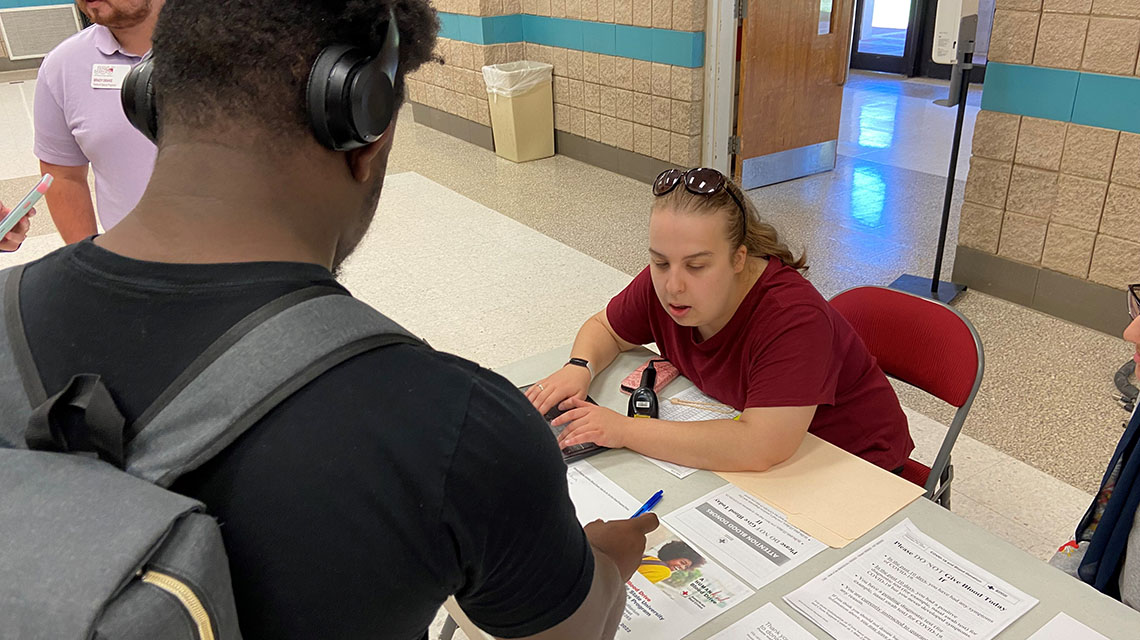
[
  {"x": 908, "y": 63},
  {"x": 721, "y": 34}
]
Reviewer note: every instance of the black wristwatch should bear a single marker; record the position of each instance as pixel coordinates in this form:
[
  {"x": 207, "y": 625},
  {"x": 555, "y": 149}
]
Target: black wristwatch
[{"x": 580, "y": 362}]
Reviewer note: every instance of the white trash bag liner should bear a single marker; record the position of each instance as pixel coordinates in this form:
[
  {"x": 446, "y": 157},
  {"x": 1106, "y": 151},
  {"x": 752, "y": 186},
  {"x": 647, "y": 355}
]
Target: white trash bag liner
[{"x": 516, "y": 78}]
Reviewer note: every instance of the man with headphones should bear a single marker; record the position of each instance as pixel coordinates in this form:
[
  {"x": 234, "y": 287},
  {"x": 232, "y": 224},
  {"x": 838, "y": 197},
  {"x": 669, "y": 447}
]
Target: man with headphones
[
  {"x": 395, "y": 479},
  {"x": 79, "y": 124}
]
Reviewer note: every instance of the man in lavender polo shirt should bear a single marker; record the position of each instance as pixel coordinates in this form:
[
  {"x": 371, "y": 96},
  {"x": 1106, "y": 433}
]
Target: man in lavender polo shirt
[{"x": 79, "y": 118}]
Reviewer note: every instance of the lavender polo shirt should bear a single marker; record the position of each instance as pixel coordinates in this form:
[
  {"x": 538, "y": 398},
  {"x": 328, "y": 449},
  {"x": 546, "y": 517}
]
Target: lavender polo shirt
[{"x": 77, "y": 124}]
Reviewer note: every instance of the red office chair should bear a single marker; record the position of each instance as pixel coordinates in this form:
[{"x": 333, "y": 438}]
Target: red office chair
[{"x": 926, "y": 344}]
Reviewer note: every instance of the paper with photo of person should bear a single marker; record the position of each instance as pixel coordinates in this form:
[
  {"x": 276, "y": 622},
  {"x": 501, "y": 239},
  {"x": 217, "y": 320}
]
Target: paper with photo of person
[{"x": 676, "y": 590}]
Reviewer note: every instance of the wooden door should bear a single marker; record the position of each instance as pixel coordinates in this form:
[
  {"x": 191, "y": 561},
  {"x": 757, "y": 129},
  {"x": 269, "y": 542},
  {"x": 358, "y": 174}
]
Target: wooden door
[{"x": 793, "y": 64}]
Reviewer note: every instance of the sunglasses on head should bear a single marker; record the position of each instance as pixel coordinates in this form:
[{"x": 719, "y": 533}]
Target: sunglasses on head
[
  {"x": 1134, "y": 301},
  {"x": 702, "y": 181}
]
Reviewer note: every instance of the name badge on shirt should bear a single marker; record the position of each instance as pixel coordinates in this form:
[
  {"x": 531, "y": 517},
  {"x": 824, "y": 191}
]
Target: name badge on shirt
[{"x": 109, "y": 76}]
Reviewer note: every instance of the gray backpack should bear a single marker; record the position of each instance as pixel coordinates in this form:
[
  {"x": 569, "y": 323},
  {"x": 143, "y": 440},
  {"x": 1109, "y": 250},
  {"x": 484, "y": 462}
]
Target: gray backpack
[{"x": 92, "y": 544}]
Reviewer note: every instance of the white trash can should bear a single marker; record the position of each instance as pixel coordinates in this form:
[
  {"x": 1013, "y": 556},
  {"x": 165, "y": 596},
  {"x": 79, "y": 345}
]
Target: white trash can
[{"x": 522, "y": 109}]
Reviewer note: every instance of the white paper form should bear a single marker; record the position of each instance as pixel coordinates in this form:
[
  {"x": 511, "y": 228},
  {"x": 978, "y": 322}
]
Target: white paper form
[
  {"x": 765, "y": 623},
  {"x": 596, "y": 496},
  {"x": 750, "y": 538},
  {"x": 676, "y": 589},
  {"x": 1062, "y": 627},
  {"x": 906, "y": 585},
  {"x": 690, "y": 405}
]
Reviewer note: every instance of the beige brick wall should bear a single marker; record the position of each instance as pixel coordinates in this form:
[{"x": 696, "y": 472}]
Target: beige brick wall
[
  {"x": 457, "y": 87},
  {"x": 479, "y": 7},
  {"x": 1058, "y": 195},
  {"x": 648, "y": 108},
  {"x": 1099, "y": 36},
  {"x": 1061, "y": 196}
]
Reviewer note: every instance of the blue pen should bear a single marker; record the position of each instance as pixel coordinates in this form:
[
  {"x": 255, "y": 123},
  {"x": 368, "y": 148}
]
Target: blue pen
[{"x": 649, "y": 504}]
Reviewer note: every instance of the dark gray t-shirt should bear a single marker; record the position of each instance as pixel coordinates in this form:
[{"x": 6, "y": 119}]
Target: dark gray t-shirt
[{"x": 352, "y": 510}]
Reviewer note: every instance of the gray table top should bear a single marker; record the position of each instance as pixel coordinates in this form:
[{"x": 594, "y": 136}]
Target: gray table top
[{"x": 1056, "y": 591}]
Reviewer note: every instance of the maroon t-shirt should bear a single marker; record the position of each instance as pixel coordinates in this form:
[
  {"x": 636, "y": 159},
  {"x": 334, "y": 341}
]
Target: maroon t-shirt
[{"x": 784, "y": 347}]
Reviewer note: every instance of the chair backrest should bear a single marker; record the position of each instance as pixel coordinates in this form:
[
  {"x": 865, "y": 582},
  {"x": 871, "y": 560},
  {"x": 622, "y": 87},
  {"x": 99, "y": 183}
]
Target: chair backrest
[
  {"x": 926, "y": 344},
  {"x": 922, "y": 342}
]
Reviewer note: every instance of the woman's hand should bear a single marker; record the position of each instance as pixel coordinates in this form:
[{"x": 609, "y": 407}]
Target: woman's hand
[
  {"x": 571, "y": 381},
  {"x": 587, "y": 422}
]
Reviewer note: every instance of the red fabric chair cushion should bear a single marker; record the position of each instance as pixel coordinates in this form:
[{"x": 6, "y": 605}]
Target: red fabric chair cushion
[{"x": 916, "y": 472}]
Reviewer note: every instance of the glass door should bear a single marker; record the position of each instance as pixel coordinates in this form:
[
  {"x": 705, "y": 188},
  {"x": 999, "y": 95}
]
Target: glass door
[{"x": 886, "y": 35}]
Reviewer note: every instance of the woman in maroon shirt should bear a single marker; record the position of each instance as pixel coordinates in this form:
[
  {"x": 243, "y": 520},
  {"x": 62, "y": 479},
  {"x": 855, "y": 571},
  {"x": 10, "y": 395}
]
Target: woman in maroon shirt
[{"x": 725, "y": 302}]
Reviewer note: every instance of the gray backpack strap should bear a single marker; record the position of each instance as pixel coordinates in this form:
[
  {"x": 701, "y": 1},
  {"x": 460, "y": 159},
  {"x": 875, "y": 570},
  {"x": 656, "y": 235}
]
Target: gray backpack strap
[
  {"x": 250, "y": 370},
  {"x": 220, "y": 346},
  {"x": 21, "y": 389}
]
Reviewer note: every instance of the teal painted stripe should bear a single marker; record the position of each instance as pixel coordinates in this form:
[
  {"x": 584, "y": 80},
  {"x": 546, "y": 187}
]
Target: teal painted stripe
[
  {"x": 490, "y": 30},
  {"x": 22, "y": 4},
  {"x": 1030, "y": 91},
  {"x": 597, "y": 37},
  {"x": 680, "y": 48},
  {"x": 634, "y": 42},
  {"x": 1069, "y": 96},
  {"x": 540, "y": 30},
  {"x": 1112, "y": 102}
]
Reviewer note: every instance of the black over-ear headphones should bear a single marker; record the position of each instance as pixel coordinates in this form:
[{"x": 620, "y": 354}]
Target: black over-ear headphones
[
  {"x": 350, "y": 96},
  {"x": 137, "y": 94}
]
